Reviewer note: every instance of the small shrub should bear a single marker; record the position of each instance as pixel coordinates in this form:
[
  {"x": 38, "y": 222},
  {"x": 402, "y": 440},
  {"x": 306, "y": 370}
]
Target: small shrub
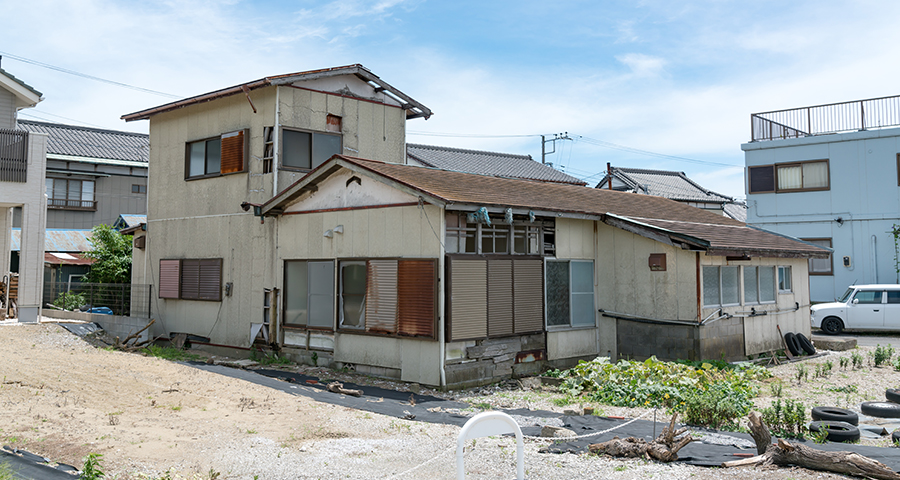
[
  {"x": 717, "y": 406},
  {"x": 171, "y": 353},
  {"x": 883, "y": 355},
  {"x": 91, "y": 469},
  {"x": 777, "y": 389},
  {"x": 819, "y": 437},
  {"x": 786, "y": 419},
  {"x": 845, "y": 362},
  {"x": 69, "y": 301},
  {"x": 857, "y": 360},
  {"x": 802, "y": 372}
]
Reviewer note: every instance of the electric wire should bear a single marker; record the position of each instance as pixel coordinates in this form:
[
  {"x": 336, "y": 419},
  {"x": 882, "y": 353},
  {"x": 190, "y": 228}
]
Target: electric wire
[{"x": 89, "y": 77}]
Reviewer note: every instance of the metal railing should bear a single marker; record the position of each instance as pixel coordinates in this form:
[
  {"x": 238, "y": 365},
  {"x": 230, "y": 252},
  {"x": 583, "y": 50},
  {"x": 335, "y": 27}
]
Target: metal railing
[
  {"x": 121, "y": 298},
  {"x": 842, "y": 117},
  {"x": 13, "y": 156},
  {"x": 65, "y": 204}
]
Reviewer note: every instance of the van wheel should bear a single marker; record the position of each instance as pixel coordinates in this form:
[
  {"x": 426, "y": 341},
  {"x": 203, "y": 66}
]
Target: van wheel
[{"x": 832, "y": 325}]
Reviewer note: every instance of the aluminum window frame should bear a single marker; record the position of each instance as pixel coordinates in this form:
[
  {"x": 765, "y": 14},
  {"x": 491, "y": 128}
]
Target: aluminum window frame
[{"x": 572, "y": 325}]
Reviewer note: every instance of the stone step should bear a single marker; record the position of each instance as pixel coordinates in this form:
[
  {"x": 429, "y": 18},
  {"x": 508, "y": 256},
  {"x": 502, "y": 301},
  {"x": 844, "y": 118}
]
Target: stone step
[{"x": 837, "y": 344}]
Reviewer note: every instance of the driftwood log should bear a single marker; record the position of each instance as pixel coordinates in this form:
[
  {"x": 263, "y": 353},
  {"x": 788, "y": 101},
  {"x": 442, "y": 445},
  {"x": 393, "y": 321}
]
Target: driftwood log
[
  {"x": 338, "y": 387},
  {"x": 135, "y": 345},
  {"x": 664, "y": 448},
  {"x": 785, "y": 453}
]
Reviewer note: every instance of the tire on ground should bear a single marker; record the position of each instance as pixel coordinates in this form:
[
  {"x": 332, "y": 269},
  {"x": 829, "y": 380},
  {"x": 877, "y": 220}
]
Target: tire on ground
[
  {"x": 793, "y": 345},
  {"x": 837, "y": 431},
  {"x": 895, "y": 437},
  {"x": 892, "y": 394},
  {"x": 835, "y": 414},
  {"x": 881, "y": 409},
  {"x": 805, "y": 344}
]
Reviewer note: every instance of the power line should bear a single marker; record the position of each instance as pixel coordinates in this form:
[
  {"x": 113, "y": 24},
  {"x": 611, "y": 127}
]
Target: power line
[
  {"x": 90, "y": 77},
  {"x": 601, "y": 143},
  {"x": 28, "y": 114},
  {"x": 466, "y": 135}
]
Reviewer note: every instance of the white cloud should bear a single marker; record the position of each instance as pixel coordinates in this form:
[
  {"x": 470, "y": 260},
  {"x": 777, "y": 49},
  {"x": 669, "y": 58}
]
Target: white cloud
[{"x": 642, "y": 65}]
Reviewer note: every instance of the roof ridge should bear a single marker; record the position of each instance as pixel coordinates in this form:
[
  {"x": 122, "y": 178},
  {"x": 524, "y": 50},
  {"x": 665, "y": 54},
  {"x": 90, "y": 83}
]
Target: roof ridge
[
  {"x": 483, "y": 152},
  {"x": 78, "y": 127}
]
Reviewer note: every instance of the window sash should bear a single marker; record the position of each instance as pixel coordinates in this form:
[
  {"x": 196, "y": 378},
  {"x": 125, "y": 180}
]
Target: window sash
[
  {"x": 784, "y": 279},
  {"x": 308, "y": 150},
  {"x": 308, "y": 293},
  {"x": 570, "y": 293},
  {"x": 820, "y": 266},
  {"x": 721, "y": 286}
]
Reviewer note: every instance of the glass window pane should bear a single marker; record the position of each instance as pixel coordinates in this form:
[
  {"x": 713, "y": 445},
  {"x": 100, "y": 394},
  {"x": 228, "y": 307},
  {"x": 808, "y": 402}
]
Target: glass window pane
[
  {"x": 815, "y": 175},
  {"x": 751, "y": 285},
  {"x": 296, "y": 149},
  {"x": 321, "y": 294},
  {"x": 893, "y": 296},
  {"x": 766, "y": 284},
  {"x": 730, "y": 286},
  {"x": 295, "y": 293},
  {"x": 74, "y": 191},
  {"x": 353, "y": 294},
  {"x": 59, "y": 190},
  {"x": 868, "y": 296},
  {"x": 557, "y": 293},
  {"x": 87, "y": 193},
  {"x": 48, "y": 184},
  {"x": 197, "y": 163},
  {"x": 583, "y": 310},
  {"x": 213, "y": 156},
  {"x": 324, "y": 146},
  {"x": 790, "y": 177},
  {"x": 582, "y": 277},
  {"x": 784, "y": 279},
  {"x": 710, "y": 285}
]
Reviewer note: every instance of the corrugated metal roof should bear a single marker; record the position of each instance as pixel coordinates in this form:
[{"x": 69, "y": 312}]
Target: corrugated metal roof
[
  {"x": 71, "y": 140},
  {"x": 58, "y": 258},
  {"x": 56, "y": 240},
  {"x": 487, "y": 163},
  {"x": 663, "y": 183},
  {"x": 128, "y": 220}
]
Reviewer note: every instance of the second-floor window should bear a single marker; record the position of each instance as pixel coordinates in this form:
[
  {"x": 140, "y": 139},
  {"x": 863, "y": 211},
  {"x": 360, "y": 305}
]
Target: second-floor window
[
  {"x": 72, "y": 194},
  {"x": 523, "y": 237},
  {"x": 789, "y": 177},
  {"x": 308, "y": 150},
  {"x": 215, "y": 156}
]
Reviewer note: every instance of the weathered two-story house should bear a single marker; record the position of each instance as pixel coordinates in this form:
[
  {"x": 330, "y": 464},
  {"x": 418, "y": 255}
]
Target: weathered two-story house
[
  {"x": 830, "y": 174},
  {"x": 22, "y": 161},
  {"x": 282, "y": 211}
]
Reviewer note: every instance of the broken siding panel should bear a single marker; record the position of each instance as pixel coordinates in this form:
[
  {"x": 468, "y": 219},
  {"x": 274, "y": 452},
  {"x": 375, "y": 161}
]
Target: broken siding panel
[
  {"x": 381, "y": 296},
  {"x": 528, "y": 289},
  {"x": 468, "y": 301},
  {"x": 416, "y": 293},
  {"x": 500, "y": 297}
]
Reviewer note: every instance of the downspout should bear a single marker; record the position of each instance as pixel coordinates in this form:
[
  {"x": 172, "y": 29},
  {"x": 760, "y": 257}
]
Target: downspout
[
  {"x": 699, "y": 306},
  {"x": 874, "y": 259},
  {"x": 276, "y": 144},
  {"x": 442, "y": 294}
]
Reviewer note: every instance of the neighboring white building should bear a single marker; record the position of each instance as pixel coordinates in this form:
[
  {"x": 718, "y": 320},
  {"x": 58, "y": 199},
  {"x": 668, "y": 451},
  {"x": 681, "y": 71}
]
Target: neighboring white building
[
  {"x": 830, "y": 175},
  {"x": 23, "y": 158}
]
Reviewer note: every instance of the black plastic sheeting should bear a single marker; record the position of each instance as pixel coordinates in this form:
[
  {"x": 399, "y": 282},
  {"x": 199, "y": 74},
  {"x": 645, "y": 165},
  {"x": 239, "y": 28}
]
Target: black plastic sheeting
[
  {"x": 712, "y": 450},
  {"x": 26, "y": 465},
  {"x": 81, "y": 329}
]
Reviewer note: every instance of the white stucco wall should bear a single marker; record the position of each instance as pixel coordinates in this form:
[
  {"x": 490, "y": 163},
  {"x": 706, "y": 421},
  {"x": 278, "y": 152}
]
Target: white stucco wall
[{"x": 864, "y": 193}]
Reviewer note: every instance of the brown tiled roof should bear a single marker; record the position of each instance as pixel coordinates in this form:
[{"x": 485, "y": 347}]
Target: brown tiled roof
[{"x": 657, "y": 216}]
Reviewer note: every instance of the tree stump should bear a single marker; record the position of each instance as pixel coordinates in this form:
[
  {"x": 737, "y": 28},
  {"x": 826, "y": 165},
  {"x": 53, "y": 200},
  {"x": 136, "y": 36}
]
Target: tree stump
[
  {"x": 785, "y": 453},
  {"x": 664, "y": 448}
]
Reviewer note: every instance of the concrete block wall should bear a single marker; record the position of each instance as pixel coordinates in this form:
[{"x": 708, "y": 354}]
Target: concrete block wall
[
  {"x": 718, "y": 340},
  {"x": 494, "y": 359}
]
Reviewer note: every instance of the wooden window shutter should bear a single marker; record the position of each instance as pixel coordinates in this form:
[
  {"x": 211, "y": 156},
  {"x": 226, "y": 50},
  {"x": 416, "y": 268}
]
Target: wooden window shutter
[
  {"x": 169, "y": 278},
  {"x": 416, "y": 295},
  {"x": 233, "y": 151},
  {"x": 528, "y": 288},
  {"x": 381, "y": 296},
  {"x": 209, "y": 286},
  {"x": 190, "y": 279},
  {"x": 468, "y": 299},
  {"x": 500, "y": 297}
]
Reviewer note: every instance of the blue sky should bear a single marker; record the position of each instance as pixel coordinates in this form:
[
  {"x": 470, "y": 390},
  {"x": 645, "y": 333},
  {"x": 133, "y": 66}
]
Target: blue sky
[{"x": 673, "y": 78}]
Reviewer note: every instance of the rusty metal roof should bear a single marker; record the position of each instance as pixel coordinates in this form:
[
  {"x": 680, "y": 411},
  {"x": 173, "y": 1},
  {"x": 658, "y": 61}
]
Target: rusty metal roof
[
  {"x": 413, "y": 108},
  {"x": 62, "y": 258},
  {"x": 655, "y": 217},
  {"x": 56, "y": 240}
]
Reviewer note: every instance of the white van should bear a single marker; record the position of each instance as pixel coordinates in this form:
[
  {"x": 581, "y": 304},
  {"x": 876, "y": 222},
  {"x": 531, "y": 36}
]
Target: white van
[{"x": 865, "y": 307}]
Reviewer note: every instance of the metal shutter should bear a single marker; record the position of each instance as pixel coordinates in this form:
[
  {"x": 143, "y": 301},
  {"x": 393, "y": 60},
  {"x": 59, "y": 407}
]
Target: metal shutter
[
  {"x": 468, "y": 299},
  {"x": 528, "y": 288},
  {"x": 500, "y": 297},
  {"x": 233, "y": 152},
  {"x": 381, "y": 296},
  {"x": 169, "y": 278},
  {"x": 416, "y": 296},
  {"x": 190, "y": 279},
  {"x": 209, "y": 285}
]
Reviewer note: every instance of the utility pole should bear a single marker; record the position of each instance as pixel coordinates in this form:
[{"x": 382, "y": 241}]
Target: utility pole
[{"x": 544, "y": 140}]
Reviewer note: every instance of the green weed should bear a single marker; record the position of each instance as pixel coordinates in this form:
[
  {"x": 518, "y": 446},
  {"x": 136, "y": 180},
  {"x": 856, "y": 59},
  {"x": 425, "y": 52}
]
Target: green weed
[
  {"x": 91, "y": 469},
  {"x": 171, "y": 353},
  {"x": 882, "y": 355},
  {"x": 786, "y": 419}
]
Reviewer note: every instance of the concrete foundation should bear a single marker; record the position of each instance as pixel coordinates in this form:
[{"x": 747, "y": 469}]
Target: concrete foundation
[{"x": 723, "y": 339}]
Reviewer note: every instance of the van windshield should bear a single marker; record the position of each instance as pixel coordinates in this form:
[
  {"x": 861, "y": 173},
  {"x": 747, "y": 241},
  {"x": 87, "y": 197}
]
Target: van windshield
[{"x": 845, "y": 296}]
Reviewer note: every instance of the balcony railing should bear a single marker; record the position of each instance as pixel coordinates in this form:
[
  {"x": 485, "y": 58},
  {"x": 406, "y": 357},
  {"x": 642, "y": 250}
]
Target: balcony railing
[
  {"x": 13, "y": 156},
  {"x": 64, "y": 204},
  {"x": 843, "y": 117}
]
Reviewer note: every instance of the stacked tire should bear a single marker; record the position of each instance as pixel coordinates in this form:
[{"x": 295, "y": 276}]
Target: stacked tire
[
  {"x": 797, "y": 344},
  {"x": 841, "y": 424}
]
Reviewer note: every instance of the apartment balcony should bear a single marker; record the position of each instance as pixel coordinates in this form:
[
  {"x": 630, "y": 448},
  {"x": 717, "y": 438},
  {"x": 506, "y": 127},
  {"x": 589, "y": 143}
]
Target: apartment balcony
[
  {"x": 13, "y": 156},
  {"x": 65, "y": 204},
  {"x": 870, "y": 114}
]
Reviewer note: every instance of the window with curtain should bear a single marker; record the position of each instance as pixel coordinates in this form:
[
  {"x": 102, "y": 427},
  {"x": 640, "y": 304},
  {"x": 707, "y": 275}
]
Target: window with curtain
[{"x": 789, "y": 177}]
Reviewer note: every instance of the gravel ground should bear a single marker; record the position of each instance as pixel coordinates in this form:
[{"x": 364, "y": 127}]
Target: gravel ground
[{"x": 152, "y": 419}]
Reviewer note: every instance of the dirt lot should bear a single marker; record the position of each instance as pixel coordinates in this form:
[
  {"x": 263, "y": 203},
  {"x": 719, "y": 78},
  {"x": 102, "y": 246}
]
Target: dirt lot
[{"x": 151, "y": 418}]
